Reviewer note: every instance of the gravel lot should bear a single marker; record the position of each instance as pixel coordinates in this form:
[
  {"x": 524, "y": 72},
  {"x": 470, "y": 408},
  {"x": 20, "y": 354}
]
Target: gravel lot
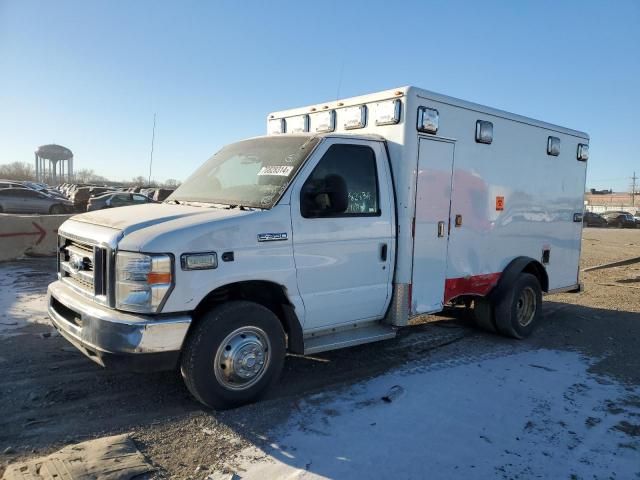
[{"x": 52, "y": 396}]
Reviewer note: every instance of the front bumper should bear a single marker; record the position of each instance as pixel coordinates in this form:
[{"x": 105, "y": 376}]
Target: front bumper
[{"x": 116, "y": 339}]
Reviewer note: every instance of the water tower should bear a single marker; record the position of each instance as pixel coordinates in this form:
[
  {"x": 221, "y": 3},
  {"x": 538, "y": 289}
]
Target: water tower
[{"x": 47, "y": 159}]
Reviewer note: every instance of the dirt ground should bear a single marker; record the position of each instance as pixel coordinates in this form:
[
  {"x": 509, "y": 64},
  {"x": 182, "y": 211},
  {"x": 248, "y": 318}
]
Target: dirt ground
[{"x": 52, "y": 396}]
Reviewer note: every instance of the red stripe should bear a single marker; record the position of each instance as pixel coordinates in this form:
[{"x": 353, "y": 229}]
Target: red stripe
[{"x": 470, "y": 285}]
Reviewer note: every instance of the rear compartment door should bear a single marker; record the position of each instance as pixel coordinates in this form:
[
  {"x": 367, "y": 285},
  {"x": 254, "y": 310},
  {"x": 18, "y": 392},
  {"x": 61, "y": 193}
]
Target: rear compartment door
[{"x": 432, "y": 219}]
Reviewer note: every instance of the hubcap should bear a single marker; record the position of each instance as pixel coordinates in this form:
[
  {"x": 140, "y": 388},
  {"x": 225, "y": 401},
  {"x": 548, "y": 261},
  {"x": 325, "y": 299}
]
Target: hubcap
[
  {"x": 242, "y": 358},
  {"x": 526, "y": 306}
]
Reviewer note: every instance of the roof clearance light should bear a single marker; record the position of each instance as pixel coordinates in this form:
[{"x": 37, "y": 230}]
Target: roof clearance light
[
  {"x": 553, "y": 146},
  {"x": 583, "y": 152},
  {"x": 354, "y": 117},
  {"x": 298, "y": 124},
  {"x": 428, "y": 119},
  {"x": 275, "y": 126},
  {"x": 388, "y": 113},
  {"x": 484, "y": 132},
  {"x": 323, "y": 121}
]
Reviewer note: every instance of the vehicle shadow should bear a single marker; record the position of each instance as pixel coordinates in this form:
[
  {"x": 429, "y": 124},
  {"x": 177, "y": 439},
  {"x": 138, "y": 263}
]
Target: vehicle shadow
[{"x": 607, "y": 337}]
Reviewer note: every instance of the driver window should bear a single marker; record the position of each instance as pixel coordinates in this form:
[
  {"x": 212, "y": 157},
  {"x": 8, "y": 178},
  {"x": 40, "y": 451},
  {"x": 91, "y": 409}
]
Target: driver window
[{"x": 343, "y": 184}]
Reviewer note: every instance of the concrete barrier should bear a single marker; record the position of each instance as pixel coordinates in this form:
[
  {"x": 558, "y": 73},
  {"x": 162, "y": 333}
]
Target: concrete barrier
[{"x": 28, "y": 235}]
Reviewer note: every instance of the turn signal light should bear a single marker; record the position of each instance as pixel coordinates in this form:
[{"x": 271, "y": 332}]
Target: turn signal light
[{"x": 154, "y": 278}]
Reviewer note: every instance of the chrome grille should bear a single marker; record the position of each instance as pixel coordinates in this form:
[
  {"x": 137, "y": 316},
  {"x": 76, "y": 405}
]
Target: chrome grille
[{"x": 82, "y": 266}]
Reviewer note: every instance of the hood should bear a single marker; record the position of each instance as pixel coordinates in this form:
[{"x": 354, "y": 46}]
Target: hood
[{"x": 135, "y": 217}]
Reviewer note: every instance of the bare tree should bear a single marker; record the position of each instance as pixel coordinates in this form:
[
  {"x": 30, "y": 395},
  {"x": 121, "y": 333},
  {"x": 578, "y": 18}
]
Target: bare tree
[
  {"x": 139, "y": 180},
  {"x": 171, "y": 183},
  {"x": 86, "y": 175},
  {"x": 17, "y": 171}
]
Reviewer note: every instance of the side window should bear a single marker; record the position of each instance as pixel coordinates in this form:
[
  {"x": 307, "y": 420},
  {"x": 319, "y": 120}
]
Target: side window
[
  {"x": 140, "y": 199},
  {"x": 119, "y": 200},
  {"x": 343, "y": 184}
]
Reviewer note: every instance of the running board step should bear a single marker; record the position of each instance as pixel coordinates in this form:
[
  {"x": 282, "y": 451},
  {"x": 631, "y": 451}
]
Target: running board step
[{"x": 348, "y": 338}]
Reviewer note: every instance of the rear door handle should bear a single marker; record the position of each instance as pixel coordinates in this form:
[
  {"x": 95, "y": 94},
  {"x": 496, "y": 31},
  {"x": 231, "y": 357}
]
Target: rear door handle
[
  {"x": 383, "y": 252},
  {"x": 440, "y": 229}
]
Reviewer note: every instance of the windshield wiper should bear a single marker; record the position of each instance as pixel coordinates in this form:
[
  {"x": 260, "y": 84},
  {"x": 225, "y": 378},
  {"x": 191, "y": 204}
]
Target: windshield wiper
[{"x": 243, "y": 207}]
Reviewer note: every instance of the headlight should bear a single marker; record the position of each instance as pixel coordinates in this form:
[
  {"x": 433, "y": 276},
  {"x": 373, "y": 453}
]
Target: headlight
[{"x": 142, "y": 281}]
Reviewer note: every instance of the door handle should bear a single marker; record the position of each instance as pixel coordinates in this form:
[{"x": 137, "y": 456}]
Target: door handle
[
  {"x": 383, "y": 252},
  {"x": 440, "y": 229}
]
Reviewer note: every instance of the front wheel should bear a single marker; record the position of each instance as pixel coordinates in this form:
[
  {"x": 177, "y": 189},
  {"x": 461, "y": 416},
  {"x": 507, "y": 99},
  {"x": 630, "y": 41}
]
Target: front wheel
[{"x": 234, "y": 353}]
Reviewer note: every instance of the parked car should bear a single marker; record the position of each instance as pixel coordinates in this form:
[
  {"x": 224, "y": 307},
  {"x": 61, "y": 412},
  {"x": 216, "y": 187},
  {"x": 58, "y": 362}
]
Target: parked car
[
  {"x": 113, "y": 200},
  {"x": 97, "y": 191},
  {"x": 25, "y": 200},
  {"x": 10, "y": 184},
  {"x": 620, "y": 220},
  {"x": 161, "y": 194},
  {"x": 80, "y": 196},
  {"x": 591, "y": 219}
]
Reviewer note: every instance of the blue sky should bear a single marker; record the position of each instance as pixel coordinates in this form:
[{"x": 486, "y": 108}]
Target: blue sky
[{"x": 90, "y": 74}]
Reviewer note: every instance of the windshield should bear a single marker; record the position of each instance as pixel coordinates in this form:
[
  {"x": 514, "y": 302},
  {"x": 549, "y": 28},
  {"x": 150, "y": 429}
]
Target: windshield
[{"x": 252, "y": 173}]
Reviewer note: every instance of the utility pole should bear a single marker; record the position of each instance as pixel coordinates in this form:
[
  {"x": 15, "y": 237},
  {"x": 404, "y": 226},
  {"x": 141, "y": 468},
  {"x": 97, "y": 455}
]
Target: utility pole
[
  {"x": 633, "y": 189},
  {"x": 153, "y": 137}
]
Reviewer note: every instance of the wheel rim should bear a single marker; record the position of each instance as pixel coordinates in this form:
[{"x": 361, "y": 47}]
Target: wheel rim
[
  {"x": 526, "y": 306},
  {"x": 242, "y": 358}
]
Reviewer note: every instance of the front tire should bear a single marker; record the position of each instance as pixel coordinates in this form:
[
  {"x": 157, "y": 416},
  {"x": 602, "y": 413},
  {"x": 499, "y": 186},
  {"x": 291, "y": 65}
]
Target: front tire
[{"x": 234, "y": 353}]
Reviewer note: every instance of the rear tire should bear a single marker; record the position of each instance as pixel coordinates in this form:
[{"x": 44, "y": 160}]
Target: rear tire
[
  {"x": 483, "y": 314},
  {"x": 519, "y": 309},
  {"x": 56, "y": 210},
  {"x": 233, "y": 354}
]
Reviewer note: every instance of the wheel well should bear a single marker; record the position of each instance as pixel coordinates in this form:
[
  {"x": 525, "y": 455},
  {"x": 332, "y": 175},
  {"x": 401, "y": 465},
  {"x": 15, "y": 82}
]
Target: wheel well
[
  {"x": 268, "y": 294},
  {"x": 536, "y": 269},
  {"x": 515, "y": 268}
]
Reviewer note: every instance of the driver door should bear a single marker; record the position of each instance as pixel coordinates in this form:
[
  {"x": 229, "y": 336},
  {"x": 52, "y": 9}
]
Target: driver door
[{"x": 344, "y": 258}]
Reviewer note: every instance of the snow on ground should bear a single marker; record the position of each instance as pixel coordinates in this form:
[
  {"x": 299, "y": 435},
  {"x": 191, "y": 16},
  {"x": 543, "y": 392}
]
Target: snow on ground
[
  {"x": 23, "y": 294},
  {"x": 537, "y": 414}
]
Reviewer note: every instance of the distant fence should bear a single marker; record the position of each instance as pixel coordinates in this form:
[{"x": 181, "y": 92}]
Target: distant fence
[{"x": 29, "y": 235}]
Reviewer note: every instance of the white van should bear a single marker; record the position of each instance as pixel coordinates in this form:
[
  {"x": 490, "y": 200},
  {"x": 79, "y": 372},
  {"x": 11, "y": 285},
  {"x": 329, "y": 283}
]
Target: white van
[{"x": 348, "y": 219}]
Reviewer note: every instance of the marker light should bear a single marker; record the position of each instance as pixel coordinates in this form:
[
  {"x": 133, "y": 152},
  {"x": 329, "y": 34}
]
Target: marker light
[
  {"x": 428, "y": 119},
  {"x": 484, "y": 132},
  {"x": 583, "y": 152},
  {"x": 323, "y": 121},
  {"x": 354, "y": 117},
  {"x": 298, "y": 124},
  {"x": 199, "y": 261},
  {"x": 275, "y": 126},
  {"x": 388, "y": 113},
  {"x": 553, "y": 146}
]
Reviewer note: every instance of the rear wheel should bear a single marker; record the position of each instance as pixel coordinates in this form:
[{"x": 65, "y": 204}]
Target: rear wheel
[
  {"x": 233, "y": 355},
  {"x": 56, "y": 210},
  {"x": 516, "y": 312},
  {"x": 483, "y": 314}
]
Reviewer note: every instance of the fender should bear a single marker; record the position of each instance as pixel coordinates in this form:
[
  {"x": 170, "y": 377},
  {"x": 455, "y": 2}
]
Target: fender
[
  {"x": 268, "y": 294},
  {"x": 513, "y": 270}
]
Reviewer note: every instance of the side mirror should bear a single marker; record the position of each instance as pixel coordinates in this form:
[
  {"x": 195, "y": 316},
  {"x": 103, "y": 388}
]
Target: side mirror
[{"x": 325, "y": 198}]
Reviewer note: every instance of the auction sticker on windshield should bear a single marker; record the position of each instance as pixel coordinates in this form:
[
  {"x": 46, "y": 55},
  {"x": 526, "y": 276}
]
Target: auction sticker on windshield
[{"x": 279, "y": 170}]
